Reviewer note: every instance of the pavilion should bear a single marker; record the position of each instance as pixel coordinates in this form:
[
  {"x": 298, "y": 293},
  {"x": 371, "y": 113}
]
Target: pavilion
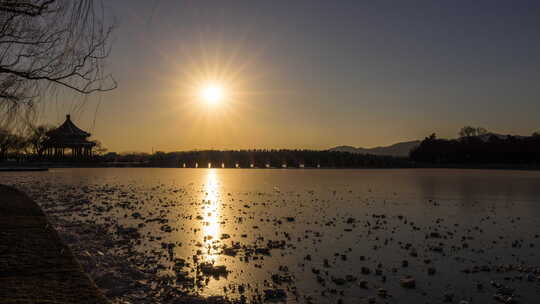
[{"x": 68, "y": 136}]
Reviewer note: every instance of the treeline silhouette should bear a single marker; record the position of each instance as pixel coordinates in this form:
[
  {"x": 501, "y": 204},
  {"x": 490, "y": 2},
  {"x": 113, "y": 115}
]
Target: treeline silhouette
[
  {"x": 475, "y": 146},
  {"x": 29, "y": 144},
  {"x": 479, "y": 148},
  {"x": 265, "y": 158}
]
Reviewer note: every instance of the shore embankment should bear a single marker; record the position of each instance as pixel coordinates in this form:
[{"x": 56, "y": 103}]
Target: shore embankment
[{"x": 35, "y": 265}]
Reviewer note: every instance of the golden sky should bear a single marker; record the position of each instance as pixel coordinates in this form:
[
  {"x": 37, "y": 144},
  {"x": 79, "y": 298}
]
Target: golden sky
[{"x": 310, "y": 74}]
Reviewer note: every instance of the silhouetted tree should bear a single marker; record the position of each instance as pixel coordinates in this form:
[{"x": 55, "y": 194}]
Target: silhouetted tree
[
  {"x": 469, "y": 131},
  {"x": 37, "y": 138},
  {"x": 99, "y": 149},
  {"x": 5, "y": 142},
  {"x": 10, "y": 142},
  {"x": 47, "y": 44}
]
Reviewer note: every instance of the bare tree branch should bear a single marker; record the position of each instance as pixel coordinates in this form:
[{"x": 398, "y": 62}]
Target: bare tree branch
[{"x": 47, "y": 44}]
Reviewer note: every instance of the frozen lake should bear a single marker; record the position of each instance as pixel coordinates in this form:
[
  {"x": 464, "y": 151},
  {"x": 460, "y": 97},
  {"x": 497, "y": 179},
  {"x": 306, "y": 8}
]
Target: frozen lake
[{"x": 150, "y": 235}]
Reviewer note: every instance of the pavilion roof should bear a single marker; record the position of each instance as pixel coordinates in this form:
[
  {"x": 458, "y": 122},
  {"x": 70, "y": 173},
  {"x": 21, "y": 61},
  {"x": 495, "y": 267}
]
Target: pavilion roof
[
  {"x": 68, "y": 135},
  {"x": 68, "y": 130}
]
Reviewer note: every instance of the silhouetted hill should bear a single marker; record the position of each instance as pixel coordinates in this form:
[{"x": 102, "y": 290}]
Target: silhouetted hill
[
  {"x": 483, "y": 149},
  {"x": 401, "y": 149}
]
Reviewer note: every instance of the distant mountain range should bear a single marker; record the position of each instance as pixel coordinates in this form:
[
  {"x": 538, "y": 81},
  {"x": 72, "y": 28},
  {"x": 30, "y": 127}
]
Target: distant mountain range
[{"x": 401, "y": 149}]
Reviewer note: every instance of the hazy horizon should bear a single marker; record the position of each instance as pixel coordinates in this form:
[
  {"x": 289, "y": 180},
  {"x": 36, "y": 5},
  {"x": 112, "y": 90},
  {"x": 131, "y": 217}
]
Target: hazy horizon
[{"x": 312, "y": 74}]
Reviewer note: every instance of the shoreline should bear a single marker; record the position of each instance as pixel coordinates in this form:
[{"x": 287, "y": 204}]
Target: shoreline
[
  {"x": 36, "y": 266},
  {"x": 47, "y": 166}
]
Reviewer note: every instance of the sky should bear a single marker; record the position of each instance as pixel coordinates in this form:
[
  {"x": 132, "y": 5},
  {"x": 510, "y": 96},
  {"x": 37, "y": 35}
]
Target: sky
[{"x": 312, "y": 74}]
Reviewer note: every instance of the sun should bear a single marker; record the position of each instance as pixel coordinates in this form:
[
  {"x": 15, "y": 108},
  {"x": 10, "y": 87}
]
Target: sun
[{"x": 212, "y": 93}]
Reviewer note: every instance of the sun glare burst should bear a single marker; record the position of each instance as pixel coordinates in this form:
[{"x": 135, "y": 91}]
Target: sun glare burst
[{"x": 212, "y": 93}]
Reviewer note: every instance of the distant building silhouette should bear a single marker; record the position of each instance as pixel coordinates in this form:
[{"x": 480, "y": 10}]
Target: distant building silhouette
[{"x": 68, "y": 136}]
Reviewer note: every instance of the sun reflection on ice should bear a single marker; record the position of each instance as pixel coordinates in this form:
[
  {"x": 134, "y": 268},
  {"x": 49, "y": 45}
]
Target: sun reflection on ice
[{"x": 211, "y": 213}]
